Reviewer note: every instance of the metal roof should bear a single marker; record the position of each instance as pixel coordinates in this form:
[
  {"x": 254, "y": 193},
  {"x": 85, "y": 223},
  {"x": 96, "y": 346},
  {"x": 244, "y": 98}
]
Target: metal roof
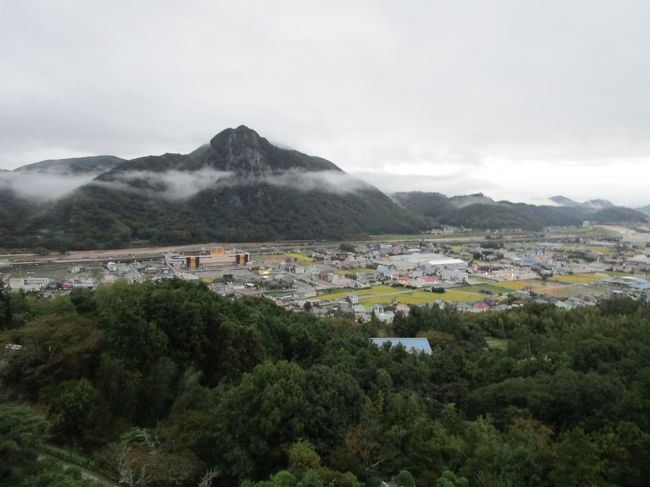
[{"x": 410, "y": 344}]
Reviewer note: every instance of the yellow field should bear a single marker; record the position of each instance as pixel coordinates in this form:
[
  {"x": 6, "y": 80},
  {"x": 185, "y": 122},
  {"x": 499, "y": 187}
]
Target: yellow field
[
  {"x": 302, "y": 258},
  {"x": 580, "y": 278}
]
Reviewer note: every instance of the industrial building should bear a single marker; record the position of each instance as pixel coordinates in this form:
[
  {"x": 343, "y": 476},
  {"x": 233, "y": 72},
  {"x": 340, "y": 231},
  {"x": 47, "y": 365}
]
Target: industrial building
[{"x": 207, "y": 258}]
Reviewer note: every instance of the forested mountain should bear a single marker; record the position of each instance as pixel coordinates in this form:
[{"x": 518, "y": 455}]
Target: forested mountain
[
  {"x": 240, "y": 187},
  {"x": 478, "y": 211},
  {"x": 30, "y": 189},
  {"x": 167, "y": 383},
  {"x": 595, "y": 204}
]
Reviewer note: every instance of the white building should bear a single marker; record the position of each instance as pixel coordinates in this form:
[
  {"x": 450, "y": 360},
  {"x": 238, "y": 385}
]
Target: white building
[{"x": 29, "y": 283}]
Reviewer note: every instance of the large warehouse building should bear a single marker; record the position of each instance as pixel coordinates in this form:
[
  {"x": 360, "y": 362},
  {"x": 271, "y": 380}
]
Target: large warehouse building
[{"x": 207, "y": 258}]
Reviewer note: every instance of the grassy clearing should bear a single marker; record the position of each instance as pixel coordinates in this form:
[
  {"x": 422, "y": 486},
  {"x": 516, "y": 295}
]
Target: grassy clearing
[
  {"x": 587, "y": 278},
  {"x": 497, "y": 343}
]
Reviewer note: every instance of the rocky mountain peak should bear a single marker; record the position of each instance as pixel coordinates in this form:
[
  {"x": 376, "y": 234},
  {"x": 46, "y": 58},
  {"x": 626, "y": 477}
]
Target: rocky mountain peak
[{"x": 241, "y": 150}]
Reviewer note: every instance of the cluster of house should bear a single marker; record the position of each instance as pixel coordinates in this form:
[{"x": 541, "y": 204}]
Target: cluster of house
[{"x": 298, "y": 283}]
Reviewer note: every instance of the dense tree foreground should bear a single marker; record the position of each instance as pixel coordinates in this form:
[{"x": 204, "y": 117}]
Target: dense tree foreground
[{"x": 170, "y": 384}]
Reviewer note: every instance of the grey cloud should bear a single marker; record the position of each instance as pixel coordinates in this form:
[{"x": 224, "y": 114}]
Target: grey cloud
[
  {"x": 39, "y": 186},
  {"x": 327, "y": 181},
  {"x": 453, "y": 184},
  {"x": 562, "y": 81},
  {"x": 175, "y": 185},
  {"x": 172, "y": 185}
]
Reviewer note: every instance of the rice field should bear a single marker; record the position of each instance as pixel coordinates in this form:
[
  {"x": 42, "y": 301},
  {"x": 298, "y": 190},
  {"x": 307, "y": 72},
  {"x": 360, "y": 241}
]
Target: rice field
[
  {"x": 588, "y": 278},
  {"x": 519, "y": 285},
  {"x": 618, "y": 274},
  {"x": 422, "y": 297},
  {"x": 389, "y": 295},
  {"x": 268, "y": 258},
  {"x": 571, "y": 290},
  {"x": 487, "y": 287},
  {"x": 301, "y": 258}
]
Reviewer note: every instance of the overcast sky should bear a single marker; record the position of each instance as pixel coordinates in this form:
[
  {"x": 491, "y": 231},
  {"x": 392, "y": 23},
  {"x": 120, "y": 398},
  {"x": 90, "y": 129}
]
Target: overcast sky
[{"x": 518, "y": 99}]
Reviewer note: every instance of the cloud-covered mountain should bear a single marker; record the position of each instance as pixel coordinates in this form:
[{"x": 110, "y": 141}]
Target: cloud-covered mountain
[
  {"x": 51, "y": 179},
  {"x": 240, "y": 187}
]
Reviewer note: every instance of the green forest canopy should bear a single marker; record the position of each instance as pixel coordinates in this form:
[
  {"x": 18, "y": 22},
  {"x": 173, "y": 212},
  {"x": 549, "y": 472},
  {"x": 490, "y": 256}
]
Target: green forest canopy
[{"x": 167, "y": 384}]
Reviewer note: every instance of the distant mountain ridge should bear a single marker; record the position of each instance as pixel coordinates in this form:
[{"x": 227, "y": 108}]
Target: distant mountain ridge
[
  {"x": 479, "y": 211},
  {"x": 73, "y": 165}
]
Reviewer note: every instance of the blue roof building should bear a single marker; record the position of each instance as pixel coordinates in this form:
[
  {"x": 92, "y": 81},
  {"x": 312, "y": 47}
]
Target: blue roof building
[
  {"x": 637, "y": 282},
  {"x": 411, "y": 345}
]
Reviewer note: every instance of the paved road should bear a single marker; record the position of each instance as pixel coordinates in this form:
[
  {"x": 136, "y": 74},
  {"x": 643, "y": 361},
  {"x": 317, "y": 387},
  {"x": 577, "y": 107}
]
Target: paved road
[{"x": 85, "y": 473}]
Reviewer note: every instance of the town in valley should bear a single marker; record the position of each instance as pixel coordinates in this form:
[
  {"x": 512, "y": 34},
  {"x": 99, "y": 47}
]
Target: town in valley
[{"x": 475, "y": 271}]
